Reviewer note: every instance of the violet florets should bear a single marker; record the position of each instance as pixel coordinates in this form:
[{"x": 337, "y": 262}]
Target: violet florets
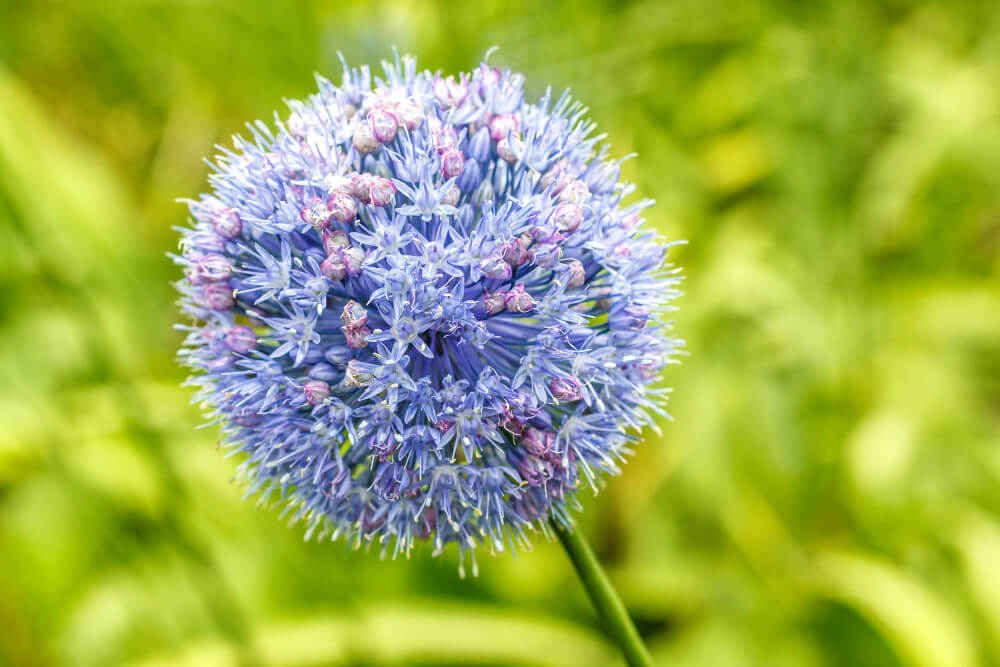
[{"x": 422, "y": 310}]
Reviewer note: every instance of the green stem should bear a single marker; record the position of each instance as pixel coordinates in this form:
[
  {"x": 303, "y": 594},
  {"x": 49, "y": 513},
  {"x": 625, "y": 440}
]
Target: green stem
[{"x": 602, "y": 595}]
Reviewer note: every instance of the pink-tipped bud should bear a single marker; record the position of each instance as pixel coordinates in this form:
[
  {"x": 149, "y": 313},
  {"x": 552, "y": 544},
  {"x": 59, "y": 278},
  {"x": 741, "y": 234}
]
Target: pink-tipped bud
[
  {"x": 354, "y": 258},
  {"x": 382, "y": 191},
  {"x": 502, "y": 125},
  {"x": 565, "y": 389},
  {"x": 316, "y": 213},
  {"x": 334, "y": 241},
  {"x": 343, "y": 207},
  {"x": 334, "y": 267},
  {"x": 354, "y": 315},
  {"x": 241, "y": 339},
  {"x": 489, "y": 304},
  {"x": 515, "y": 253},
  {"x": 356, "y": 338},
  {"x": 575, "y": 275},
  {"x": 409, "y": 114},
  {"x": 452, "y": 162},
  {"x": 519, "y": 301},
  {"x": 218, "y": 296},
  {"x": 494, "y": 267},
  {"x": 449, "y": 92},
  {"x": 226, "y": 223},
  {"x": 361, "y": 186},
  {"x": 316, "y": 391},
  {"x": 630, "y": 221},
  {"x": 364, "y": 139},
  {"x": 383, "y": 125},
  {"x": 567, "y": 217},
  {"x": 212, "y": 268}
]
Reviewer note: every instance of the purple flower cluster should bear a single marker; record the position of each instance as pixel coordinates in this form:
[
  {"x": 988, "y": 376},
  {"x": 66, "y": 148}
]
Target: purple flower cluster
[{"x": 422, "y": 310}]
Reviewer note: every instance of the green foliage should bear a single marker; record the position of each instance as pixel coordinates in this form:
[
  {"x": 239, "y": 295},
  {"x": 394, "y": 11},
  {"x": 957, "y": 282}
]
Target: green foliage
[{"x": 827, "y": 492}]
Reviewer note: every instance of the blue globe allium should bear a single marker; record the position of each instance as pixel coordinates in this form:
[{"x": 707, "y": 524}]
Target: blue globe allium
[{"x": 422, "y": 310}]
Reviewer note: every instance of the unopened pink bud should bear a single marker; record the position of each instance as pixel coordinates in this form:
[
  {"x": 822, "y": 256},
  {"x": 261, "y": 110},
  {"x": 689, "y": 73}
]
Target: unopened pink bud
[
  {"x": 219, "y": 296},
  {"x": 495, "y": 267},
  {"x": 356, "y": 338},
  {"x": 354, "y": 258},
  {"x": 383, "y": 125},
  {"x": 361, "y": 185},
  {"x": 409, "y": 114},
  {"x": 489, "y": 304},
  {"x": 334, "y": 267},
  {"x": 212, "y": 268},
  {"x": 567, "y": 217},
  {"x": 241, "y": 339},
  {"x": 364, "y": 139},
  {"x": 382, "y": 191},
  {"x": 565, "y": 389},
  {"x": 354, "y": 315},
  {"x": 452, "y": 162},
  {"x": 226, "y": 223},
  {"x": 515, "y": 253},
  {"x": 316, "y": 391},
  {"x": 519, "y": 301},
  {"x": 502, "y": 125},
  {"x": 343, "y": 207},
  {"x": 316, "y": 213}
]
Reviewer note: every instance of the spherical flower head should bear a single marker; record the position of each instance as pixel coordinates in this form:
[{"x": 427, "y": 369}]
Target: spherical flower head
[{"x": 423, "y": 310}]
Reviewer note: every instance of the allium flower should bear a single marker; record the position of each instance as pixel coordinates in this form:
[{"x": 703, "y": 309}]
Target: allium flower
[{"x": 422, "y": 310}]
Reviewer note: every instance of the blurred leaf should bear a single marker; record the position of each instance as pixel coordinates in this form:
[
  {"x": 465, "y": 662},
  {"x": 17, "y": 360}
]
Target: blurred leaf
[
  {"x": 418, "y": 631},
  {"x": 922, "y": 628}
]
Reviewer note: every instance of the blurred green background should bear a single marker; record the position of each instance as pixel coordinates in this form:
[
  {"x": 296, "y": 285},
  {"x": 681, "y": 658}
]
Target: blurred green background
[{"x": 827, "y": 494}]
